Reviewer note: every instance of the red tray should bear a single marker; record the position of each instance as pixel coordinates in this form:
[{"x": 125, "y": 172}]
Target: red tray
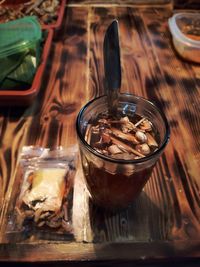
[
  {"x": 56, "y": 25},
  {"x": 25, "y": 97}
]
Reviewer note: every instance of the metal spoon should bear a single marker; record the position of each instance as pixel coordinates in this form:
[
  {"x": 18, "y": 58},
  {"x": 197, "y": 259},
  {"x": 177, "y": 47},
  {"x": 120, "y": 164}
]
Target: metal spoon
[{"x": 112, "y": 66}]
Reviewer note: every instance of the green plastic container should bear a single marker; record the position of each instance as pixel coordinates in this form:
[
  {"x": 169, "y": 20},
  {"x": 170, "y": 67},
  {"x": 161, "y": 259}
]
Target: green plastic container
[
  {"x": 20, "y": 48},
  {"x": 19, "y": 35}
]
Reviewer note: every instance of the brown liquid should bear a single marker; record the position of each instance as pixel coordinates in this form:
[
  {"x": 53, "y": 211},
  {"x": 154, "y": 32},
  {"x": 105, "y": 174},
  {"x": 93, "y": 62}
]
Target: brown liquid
[
  {"x": 114, "y": 191},
  {"x": 114, "y": 185}
]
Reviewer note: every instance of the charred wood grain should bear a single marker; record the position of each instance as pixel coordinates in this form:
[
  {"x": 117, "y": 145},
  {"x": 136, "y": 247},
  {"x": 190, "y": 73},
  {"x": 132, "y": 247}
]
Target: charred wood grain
[
  {"x": 164, "y": 221},
  {"x": 65, "y": 87},
  {"x": 170, "y": 185},
  {"x": 120, "y": 2},
  {"x": 100, "y": 253},
  {"x": 188, "y": 4}
]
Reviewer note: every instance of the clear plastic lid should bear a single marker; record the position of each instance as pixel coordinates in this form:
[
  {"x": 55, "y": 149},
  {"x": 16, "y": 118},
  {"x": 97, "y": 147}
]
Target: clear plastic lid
[
  {"x": 18, "y": 35},
  {"x": 186, "y": 28}
]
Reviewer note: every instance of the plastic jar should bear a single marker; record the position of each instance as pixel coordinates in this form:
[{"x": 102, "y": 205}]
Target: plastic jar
[{"x": 185, "y": 30}]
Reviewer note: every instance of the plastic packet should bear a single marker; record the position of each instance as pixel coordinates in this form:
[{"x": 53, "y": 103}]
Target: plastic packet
[{"x": 42, "y": 199}]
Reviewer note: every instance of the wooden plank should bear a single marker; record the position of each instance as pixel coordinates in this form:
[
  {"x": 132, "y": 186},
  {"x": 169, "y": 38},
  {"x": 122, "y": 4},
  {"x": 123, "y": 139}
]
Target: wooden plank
[
  {"x": 57, "y": 111},
  {"x": 130, "y": 224},
  {"x": 119, "y": 252},
  {"x": 119, "y": 2},
  {"x": 14, "y": 126},
  {"x": 163, "y": 223},
  {"x": 182, "y": 92},
  {"x": 165, "y": 212},
  {"x": 50, "y": 121},
  {"x": 188, "y": 4}
]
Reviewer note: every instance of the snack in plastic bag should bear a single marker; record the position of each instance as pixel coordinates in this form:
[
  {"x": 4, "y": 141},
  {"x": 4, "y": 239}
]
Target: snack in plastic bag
[{"x": 45, "y": 198}]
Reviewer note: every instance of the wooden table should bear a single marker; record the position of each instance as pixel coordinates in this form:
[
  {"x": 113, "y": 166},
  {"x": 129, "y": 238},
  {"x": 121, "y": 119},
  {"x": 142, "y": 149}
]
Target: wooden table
[{"x": 163, "y": 224}]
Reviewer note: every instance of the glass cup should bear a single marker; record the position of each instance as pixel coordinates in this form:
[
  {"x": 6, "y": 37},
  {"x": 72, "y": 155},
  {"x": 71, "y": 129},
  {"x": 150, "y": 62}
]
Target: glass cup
[{"x": 115, "y": 183}]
